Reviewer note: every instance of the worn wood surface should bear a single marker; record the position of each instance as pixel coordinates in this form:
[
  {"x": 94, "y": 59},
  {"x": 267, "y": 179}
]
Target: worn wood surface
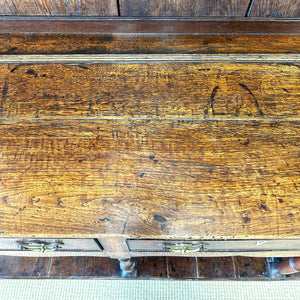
[
  {"x": 275, "y": 8},
  {"x": 137, "y": 36},
  {"x": 58, "y": 7},
  {"x": 155, "y": 90},
  {"x": 184, "y": 8},
  {"x": 157, "y": 8},
  {"x": 154, "y": 44},
  {"x": 213, "y": 179},
  {"x": 153, "y": 149}
]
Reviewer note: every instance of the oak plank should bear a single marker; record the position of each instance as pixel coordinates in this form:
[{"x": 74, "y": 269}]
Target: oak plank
[
  {"x": 58, "y": 8},
  {"x": 194, "y": 90},
  {"x": 205, "y": 179},
  {"x": 275, "y": 8},
  {"x": 42, "y": 43},
  {"x": 183, "y": 8}
]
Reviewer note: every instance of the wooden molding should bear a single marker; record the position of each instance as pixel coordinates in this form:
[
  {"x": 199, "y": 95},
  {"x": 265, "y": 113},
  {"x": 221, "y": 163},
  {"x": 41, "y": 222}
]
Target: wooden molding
[{"x": 148, "y": 25}]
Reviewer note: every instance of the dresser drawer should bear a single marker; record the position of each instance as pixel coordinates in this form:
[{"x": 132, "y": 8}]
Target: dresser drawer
[
  {"x": 49, "y": 245},
  {"x": 190, "y": 246}
]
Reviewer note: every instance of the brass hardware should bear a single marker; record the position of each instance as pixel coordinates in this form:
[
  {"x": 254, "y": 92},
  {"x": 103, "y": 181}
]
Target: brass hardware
[
  {"x": 186, "y": 247},
  {"x": 38, "y": 246}
]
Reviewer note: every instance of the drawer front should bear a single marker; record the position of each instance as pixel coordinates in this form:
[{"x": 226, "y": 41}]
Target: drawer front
[
  {"x": 190, "y": 246},
  {"x": 49, "y": 245},
  {"x": 146, "y": 245}
]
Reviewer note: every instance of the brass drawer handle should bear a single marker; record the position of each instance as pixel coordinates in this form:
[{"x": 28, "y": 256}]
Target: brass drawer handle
[
  {"x": 186, "y": 247},
  {"x": 38, "y": 246}
]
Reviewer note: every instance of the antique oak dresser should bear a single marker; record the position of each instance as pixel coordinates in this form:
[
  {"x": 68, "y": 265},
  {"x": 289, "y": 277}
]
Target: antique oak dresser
[{"x": 124, "y": 136}]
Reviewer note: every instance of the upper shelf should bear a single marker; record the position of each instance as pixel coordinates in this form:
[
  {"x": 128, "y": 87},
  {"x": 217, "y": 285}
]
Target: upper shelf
[{"x": 42, "y": 35}]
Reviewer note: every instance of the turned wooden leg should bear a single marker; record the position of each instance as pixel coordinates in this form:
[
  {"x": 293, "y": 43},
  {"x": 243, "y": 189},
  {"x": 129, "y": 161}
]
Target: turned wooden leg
[
  {"x": 286, "y": 267},
  {"x": 128, "y": 268}
]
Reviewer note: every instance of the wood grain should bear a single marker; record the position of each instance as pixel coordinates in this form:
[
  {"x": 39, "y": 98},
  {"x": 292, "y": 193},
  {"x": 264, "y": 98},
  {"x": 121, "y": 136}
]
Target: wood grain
[
  {"x": 149, "y": 149},
  {"x": 183, "y": 8},
  {"x": 148, "y": 26},
  {"x": 67, "y": 267},
  {"x": 212, "y": 179},
  {"x": 217, "y": 267},
  {"x": 250, "y": 267},
  {"x": 154, "y": 90},
  {"x": 154, "y": 44},
  {"x": 151, "y": 267},
  {"x": 58, "y": 8},
  {"x": 102, "y": 267},
  {"x": 182, "y": 267},
  {"x": 24, "y": 267},
  {"x": 137, "y": 36},
  {"x": 275, "y": 8}
]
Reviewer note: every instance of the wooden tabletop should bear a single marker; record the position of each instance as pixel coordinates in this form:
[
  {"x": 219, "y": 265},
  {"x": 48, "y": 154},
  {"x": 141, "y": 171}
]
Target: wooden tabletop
[{"x": 169, "y": 144}]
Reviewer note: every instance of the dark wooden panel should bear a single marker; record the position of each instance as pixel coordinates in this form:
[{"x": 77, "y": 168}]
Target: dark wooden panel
[
  {"x": 59, "y": 8},
  {"x": 275, "y": 8},
  {"x": 137, "y": 44},
  {"x": 215, "y": 267},
  {"x": 250, "y": 267},
  {"x": 23, "y": 267},
  {"x": 95, "y": 267},
  {"x": 151, "y": 267},
  {"x": 212, "y": 179},
  {"x": 147, "y": 26},
  {"x": 102, "y": 267},
  {"x": 67, "y": 267},
  {"x": 182, "y": 267},
  {"x": 183, "y": 8},
  {"x": 221, "y": 90}
]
